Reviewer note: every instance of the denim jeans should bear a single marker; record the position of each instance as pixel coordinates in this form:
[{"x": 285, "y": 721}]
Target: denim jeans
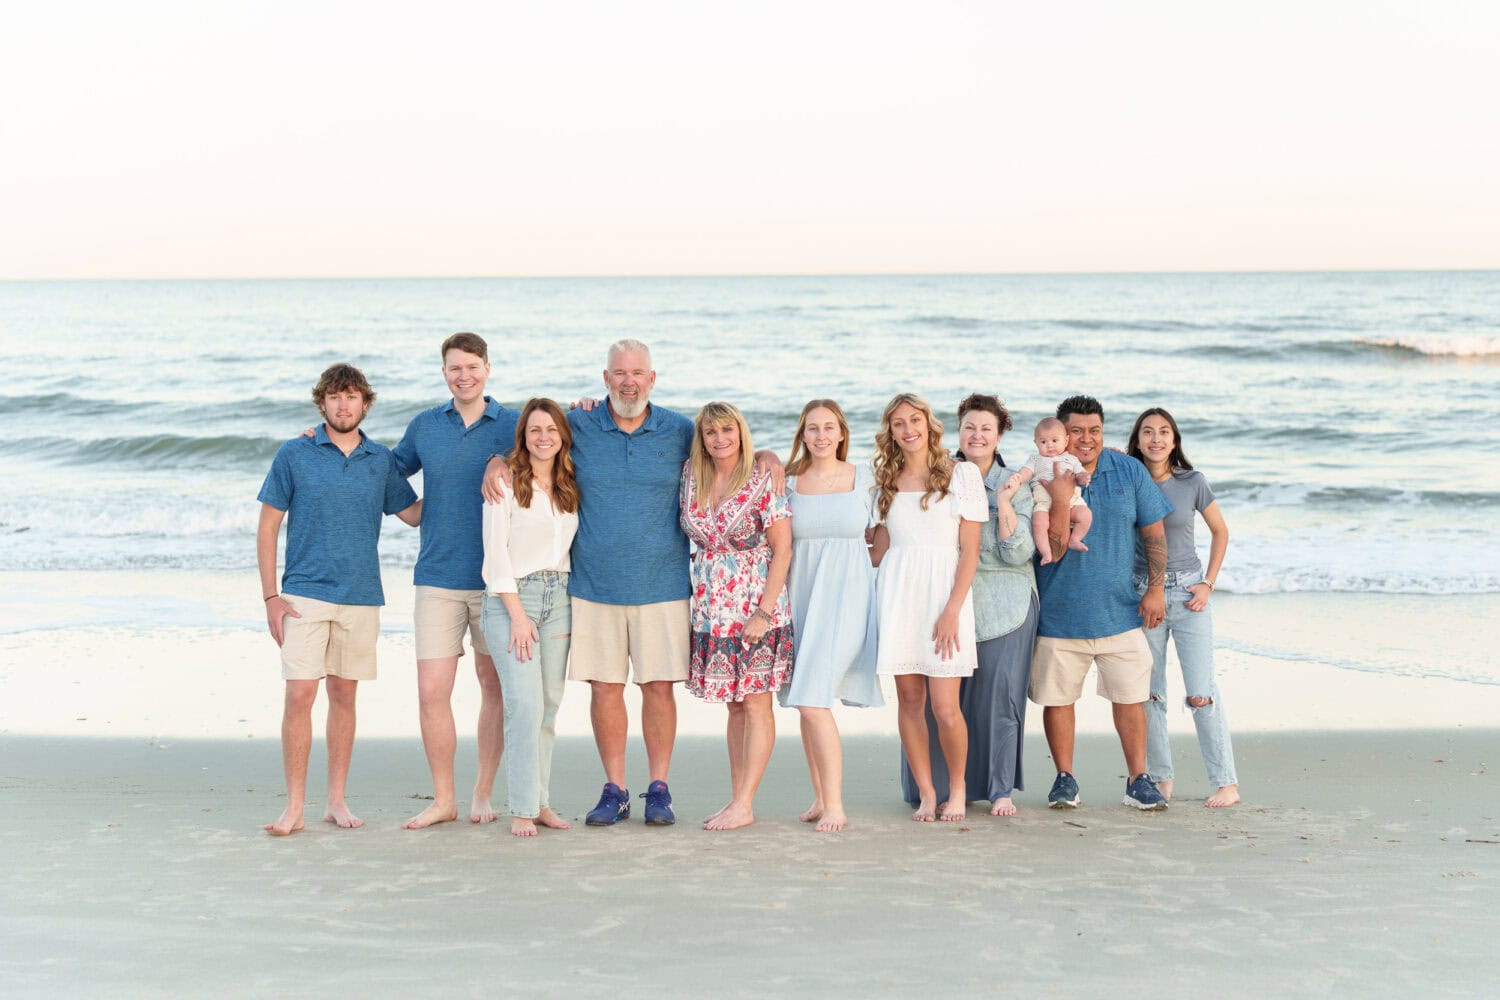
[
  {"x": 1192, "y": 634},
  {"x": 532, "y": 689}
]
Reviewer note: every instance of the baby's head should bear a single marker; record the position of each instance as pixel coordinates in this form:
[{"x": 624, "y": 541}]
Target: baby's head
[{"x": 1051, "y": 437}]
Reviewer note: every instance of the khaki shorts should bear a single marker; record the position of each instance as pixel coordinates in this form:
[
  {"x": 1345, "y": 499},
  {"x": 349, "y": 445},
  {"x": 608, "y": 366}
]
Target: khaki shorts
[
  {"x": 329, "y": 640},
  {"x": 614, "y": 643},
  {"x": 441, "y": 617},
  {"x": 1042, "y": 500},
  {"x": 1059, "y": 666}
]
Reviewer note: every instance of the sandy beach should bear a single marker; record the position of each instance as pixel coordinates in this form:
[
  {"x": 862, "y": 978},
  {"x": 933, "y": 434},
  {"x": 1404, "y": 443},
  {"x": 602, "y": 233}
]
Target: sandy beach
[
  {"x": 1370, "y": 865},
  {"x": 139, "y": 757}
]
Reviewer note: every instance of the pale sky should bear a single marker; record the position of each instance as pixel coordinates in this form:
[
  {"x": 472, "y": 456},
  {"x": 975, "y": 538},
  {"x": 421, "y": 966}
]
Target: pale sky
[{"x": 209, "y": 139}]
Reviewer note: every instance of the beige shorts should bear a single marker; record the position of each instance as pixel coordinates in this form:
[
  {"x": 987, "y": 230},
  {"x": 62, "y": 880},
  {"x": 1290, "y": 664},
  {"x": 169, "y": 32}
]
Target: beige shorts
[
  {"x": 441, "y": 617},
  {"x": 614, "y": 643},
  {"x": 1059, "y": 666},
  {"x": 1042, "y": 500},
  {"x": 329, "y": 640}
]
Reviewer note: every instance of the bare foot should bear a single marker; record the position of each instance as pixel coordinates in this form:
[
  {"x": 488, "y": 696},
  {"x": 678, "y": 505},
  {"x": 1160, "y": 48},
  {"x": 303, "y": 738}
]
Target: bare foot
[
  {"x": 552, "y": 820},
  {"x": 339, "y": 815},
  {"x": 813, "y": 814},
  {"x": 290, "y": 821},
  {"x": 926, "y": 812},
  {"x": 1003, "y": 806},
  {"x": 480, "y": 810},
  {"x": 1224, "y": 797},
  {"x": 832, "y": 821},
  {"x": 952, "y": 811},
  {"x": 731, "y": 817},
  {"x": 431, "y": 816},
  {"x": 1078, "y": 547},
  {"x": 1165, "y": 787},
  {"x": 521, "y": 826},
  {"x": 1046, "y": 557},
  {"x": 716, "y": 814}
]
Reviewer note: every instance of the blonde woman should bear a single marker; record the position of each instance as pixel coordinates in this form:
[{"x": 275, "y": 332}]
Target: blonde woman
[
  {"x": 526, "y": 616},
  {"x": 832, "y": 588},
  {"x": 930, "y": 509},
  {"x": 741, "y": 637}
]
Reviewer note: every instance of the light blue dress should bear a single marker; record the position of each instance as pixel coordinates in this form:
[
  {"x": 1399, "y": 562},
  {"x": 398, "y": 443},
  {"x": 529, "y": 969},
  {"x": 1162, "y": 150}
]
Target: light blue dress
[{"x": 832, "y": 588}]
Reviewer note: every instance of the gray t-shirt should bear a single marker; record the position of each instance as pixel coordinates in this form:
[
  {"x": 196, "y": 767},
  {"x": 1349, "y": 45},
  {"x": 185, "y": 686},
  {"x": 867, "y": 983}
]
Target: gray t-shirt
[{"x": 1189, "y": 493}]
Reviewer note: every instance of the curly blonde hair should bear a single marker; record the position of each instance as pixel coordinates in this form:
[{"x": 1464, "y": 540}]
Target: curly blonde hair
[{"x": 890, "y": 461}]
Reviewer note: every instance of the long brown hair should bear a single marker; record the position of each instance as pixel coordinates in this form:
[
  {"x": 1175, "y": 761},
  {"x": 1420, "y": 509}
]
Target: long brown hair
[
  {"x": 801, "y": 458},
  {"x": 890, "y": 461},
  {"x": 717, "y": 414},
  {"x": 564, "y": 482},
  {"x": 1175, "y": 458}
]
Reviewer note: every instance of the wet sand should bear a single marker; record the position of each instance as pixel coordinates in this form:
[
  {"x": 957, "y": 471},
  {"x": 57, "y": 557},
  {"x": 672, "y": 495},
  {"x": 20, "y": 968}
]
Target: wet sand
[{"x": 1362, "y": 863}]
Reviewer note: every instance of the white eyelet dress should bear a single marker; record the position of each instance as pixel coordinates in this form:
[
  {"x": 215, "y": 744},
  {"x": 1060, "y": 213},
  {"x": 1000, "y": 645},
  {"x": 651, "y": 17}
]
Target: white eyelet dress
[{"x": 916, "y": 577}]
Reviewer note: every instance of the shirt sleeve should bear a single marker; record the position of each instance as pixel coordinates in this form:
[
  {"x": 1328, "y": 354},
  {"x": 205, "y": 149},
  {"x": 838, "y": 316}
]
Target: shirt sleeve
[
  {"x": 277, "y": 489},
  {"x": 864, "y": 481},
  {"x": 772, "y": 506},
  {"x": 498, "y": 572},
  {"x": 1203, "y": 494},
  {"x": 398, "y": 492},
  {"x": 408, "y": 460},
  {"x": 1151, "y": 504},
  {"x": 685, "y": 499},
  {"x": 968, "y": 490}
]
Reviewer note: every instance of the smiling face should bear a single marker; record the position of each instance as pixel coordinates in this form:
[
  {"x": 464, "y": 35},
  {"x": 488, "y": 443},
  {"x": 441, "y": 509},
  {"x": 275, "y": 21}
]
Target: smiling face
[
  {"x": 909, "y": 429},
  {"x": 978, "y": 434},
  {"x": 343, "y": 409},
  {"x": 722, "y": 443},
  {"x": 1085, "y": 437},
  {"x": 1156, "y": 440},
  {"x": 465, "y": 374},
  {"x": 629, "y": 379},
  {"x": 543, "y": 438},
  {"x": 821, "y": 433}
]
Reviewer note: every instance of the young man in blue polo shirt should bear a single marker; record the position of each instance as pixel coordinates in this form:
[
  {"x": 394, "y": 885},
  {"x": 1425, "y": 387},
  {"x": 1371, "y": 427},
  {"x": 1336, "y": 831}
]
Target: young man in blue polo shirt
[
  {"x": 449, "y": 445},
  {"x": 1089, "y": 611},
  {"x": 336, "y": 486}
]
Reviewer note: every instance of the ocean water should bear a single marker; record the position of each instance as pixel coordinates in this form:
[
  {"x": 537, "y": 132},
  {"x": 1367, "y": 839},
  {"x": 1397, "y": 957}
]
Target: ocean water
[{"x": 1350, "y": 423}]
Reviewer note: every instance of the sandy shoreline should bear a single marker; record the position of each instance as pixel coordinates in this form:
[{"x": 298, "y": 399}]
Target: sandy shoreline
[{"x": 1367, "y": 865}]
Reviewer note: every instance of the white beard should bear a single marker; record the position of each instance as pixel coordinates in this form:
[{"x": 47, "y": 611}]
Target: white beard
[{"x": 627, "y": 410}]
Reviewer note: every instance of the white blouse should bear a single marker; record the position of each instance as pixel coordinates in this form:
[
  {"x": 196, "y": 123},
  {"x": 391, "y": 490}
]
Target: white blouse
[{"x": 519, "y": 541}]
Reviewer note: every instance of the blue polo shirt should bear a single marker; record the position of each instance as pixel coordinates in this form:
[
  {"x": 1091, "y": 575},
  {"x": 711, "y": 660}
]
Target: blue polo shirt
[
  {"x": 451, "y": 458},
  {"x": 1089, "y": 595},
  {"x": 334, "y": 504},
  {"x": 630, "y": 548}
]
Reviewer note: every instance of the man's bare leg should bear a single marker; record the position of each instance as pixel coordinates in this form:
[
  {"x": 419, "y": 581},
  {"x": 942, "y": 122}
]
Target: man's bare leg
[
  {"x": 296, "y": 744},
  {"x": 659, "y": 726},
  {"x": 439, "y": 739},
  {"x": 1130, "y": 723},
  {"x": 491, "y": 738},
  {"x": 611, "y": 724},
  {"x": 341, "y": 693},
  {"x": 1058, "y": 723}
]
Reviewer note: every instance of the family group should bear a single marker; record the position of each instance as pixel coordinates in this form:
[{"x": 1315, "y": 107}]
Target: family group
[{"x": 621, "y": 542}]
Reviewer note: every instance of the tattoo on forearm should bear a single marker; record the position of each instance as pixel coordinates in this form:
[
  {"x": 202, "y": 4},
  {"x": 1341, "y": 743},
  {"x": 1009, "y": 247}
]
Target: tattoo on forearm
[{"x": 1156, "y": 559}]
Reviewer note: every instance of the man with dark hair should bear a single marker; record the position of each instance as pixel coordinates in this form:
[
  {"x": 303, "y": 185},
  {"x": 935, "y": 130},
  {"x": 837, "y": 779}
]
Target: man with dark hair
[
  {"x": 1090, "y": 614},
  {"x": 325, "y": 616},
  {"x": 449, "y": 445}
]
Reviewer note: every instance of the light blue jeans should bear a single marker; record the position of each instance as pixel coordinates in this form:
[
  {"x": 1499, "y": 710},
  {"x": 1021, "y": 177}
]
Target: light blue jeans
[
  {"x": 1192, "y": 633},
  {"x": 532, "y": 689}
]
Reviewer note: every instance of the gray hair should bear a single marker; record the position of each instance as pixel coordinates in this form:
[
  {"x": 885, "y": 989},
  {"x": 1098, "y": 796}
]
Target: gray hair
[{"x": 627, "y": 344}]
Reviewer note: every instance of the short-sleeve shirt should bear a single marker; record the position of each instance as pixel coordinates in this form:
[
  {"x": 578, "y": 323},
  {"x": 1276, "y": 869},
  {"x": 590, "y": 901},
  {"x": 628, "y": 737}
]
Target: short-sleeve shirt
[
  {"x": 1042, "y": 465},
  {"x": 1089, "y": 595},
  {"x": 630, "y": 548},
  {"x": 451, "y": 458},
  {"x": 334, "y": 504},
  {"x": 1188, "y": 492}
]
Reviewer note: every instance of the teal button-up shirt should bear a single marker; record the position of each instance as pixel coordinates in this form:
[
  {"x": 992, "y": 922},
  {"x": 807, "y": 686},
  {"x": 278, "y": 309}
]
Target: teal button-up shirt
[{"x": 1005, "y": 582}]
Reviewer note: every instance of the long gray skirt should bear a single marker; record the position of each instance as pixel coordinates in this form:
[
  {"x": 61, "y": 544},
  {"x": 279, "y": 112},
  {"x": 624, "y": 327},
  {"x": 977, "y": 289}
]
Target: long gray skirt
[{"x": 993, "y": 701}]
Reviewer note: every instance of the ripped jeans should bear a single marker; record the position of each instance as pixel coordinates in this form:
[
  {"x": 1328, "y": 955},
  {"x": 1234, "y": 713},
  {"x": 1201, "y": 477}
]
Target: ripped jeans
[
  {"x": 1192, "y": 634},
  {"x": 533, "y": 689}
]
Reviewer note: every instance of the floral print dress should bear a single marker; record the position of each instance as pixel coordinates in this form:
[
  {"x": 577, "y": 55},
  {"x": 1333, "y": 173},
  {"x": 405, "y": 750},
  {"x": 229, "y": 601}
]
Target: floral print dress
[{"x": 729, "y": 573}]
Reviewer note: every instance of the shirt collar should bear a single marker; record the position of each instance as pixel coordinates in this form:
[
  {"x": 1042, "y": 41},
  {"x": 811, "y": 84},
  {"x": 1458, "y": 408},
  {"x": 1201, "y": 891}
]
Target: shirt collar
[
  {"x": 321, "y": 437},
  {"x": 607, "y": 421},
  {"x": 491, "y": 408}
]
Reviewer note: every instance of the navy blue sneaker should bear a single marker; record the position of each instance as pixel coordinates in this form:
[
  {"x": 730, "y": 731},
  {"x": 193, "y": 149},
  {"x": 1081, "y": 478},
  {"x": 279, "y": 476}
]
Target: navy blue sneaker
[
  {"x": 614, "y": 805},
  {"x": 1064, "y": 794},
  {"x": 658, "y": 804},
  {"x": 1142, "y": 794}
]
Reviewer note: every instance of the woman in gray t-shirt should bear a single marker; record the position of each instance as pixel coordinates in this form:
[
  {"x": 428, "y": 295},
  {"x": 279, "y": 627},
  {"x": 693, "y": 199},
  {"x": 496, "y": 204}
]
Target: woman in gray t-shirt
[{"x": 1156, "y": 442}]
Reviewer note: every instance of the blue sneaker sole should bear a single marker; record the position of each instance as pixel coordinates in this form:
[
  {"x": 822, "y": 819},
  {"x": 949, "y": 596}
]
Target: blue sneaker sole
[
  {"x": 606, "y": 822},
  {"x": 1145, "y": 806},
  {"x": 660, "y": 822},
  {"x": 1064, "y": 804}
]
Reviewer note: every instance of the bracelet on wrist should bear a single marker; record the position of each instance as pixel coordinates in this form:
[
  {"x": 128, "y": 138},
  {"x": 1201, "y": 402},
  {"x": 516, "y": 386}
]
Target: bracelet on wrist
[{"x": 268, "y": 599}]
